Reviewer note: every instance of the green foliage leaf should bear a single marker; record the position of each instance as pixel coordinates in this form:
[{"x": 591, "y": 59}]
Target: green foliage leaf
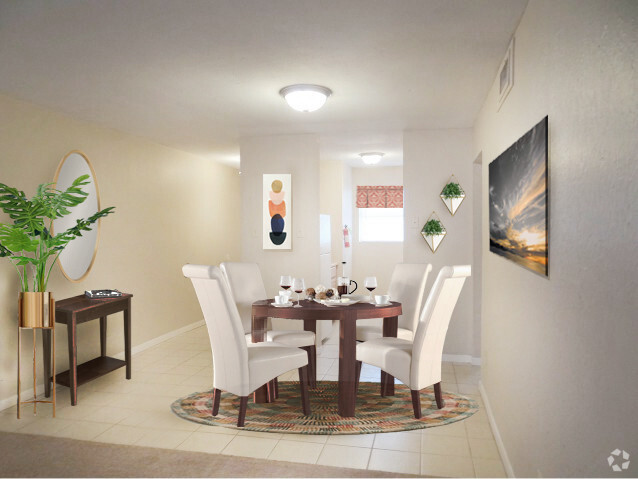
[
  {"x": 29, "y": 234},
  {"x": 433, "y": 227},
  {"x": 15, "y": 239},
  {"x": 452, "y": 190}
]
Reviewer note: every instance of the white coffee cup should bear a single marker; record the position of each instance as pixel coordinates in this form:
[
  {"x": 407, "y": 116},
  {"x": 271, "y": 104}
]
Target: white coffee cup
[
  {"x": 381, "y": 299},
  {"x": 281, "y": 299}
]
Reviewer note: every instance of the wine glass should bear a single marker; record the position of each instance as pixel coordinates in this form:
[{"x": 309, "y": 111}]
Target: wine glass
[
  {"x": 298, "y": 285},
  {"x": 371, "y": 284},
  {"x": 285, "y": 282}
]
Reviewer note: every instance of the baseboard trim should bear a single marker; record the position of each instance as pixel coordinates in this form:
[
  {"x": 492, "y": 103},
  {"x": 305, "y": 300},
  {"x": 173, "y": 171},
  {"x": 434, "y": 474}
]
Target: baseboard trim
[
  {"x": 160, "y": 339},
  {"x": 462, "y": 358},
  {"x": 509, "y": 470},
  {"x": 28, "y": 393}
]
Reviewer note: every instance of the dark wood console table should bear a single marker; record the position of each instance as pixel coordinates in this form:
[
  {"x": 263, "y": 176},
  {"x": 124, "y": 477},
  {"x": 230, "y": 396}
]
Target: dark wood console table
[{"x": 78, "y": 310}]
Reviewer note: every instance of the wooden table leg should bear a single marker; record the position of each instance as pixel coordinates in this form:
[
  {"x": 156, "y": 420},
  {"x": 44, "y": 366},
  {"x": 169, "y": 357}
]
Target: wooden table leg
[
  {"x": 103, "y": 336},
  {"x": 311, "y": 325},
  {"x": 46, "y": 360},
  {"x": 347, "y": 363},
  {"x": 127, "y": 338},
  {"x": 258, "y": 332},
  {"x": 73, "y": 361},
  {"x": 390, "y": 328}
]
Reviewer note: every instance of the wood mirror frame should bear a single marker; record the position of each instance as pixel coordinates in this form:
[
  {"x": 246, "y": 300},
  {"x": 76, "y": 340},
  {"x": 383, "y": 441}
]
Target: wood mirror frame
[{"x": 76, "y": 260}]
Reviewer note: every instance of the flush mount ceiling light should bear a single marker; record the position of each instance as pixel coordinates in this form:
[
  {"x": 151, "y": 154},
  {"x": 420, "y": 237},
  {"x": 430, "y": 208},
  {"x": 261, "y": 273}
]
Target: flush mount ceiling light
[
  {"x": 371, "y": 158},
  {"x": 305, "y": 97}
]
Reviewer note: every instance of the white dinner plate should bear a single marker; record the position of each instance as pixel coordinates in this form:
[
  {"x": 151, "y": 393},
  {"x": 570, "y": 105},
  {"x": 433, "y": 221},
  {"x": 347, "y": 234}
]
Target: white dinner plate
[
  {"x": 356, "y": 297},
  {"x": 284, "y": 305},
  {"x": 337, "y": 302}
]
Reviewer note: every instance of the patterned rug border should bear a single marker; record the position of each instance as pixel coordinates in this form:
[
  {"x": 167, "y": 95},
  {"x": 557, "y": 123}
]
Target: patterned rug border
[{"x": 373, "y": 414}]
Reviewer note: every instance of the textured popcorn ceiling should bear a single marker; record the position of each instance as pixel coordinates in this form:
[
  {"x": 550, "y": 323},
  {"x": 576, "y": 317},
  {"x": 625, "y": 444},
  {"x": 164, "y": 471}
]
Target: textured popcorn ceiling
[{"x": 198, "y": 75}]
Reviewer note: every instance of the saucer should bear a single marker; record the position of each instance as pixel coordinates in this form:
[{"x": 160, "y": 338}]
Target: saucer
[
  {"x": 283, "y": 305},
  {"x": 382, "y": 305}
]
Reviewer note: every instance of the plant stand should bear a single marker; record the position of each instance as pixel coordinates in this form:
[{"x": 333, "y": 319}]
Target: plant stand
[{"x": 35, "y": 401}]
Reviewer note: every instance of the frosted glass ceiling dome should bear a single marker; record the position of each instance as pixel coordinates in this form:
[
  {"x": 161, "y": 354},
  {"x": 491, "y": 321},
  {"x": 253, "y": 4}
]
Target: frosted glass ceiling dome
[
  {"x": 305, "y": 97},
  {"x": 371, "y": 158}
]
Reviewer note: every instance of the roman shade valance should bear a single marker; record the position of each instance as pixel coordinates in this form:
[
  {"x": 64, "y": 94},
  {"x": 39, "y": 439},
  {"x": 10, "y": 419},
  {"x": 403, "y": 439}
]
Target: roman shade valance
[{"x": 379, "y": 196}]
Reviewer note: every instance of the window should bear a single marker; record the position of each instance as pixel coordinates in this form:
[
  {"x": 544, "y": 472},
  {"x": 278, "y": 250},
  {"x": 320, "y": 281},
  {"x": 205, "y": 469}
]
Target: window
[{"x": 380, "y": 224}]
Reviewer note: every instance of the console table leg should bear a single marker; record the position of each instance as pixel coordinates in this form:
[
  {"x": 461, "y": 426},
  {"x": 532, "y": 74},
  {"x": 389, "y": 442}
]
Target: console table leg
[
  {"x": 127, "y": 339},
  {"x": 103, "y": 336},
  {"x": 73, "y": 362}
]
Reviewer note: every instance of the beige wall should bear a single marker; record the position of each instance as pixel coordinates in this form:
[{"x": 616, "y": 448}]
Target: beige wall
[
  {"x": 559, "y": 353},
  {"x": 330, "y": 196},
  {"x": 299, "y": 156},
  {"x": 171, "y": 209},
  {"x": 430, "y": 157},
  {"x": 373, "y": 259}
]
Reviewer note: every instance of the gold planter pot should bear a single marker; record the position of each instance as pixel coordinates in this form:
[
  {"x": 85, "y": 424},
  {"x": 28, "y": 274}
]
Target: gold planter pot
[{"x": 36, "y": 310}]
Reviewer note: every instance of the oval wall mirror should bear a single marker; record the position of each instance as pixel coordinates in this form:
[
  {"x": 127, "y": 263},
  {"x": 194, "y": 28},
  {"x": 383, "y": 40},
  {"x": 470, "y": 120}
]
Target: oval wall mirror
[{"x": 77, "y": 258}]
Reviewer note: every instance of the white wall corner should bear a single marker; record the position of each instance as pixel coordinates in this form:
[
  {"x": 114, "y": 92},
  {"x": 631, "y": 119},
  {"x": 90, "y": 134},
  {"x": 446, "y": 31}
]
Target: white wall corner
[{"x": 509, "y": 470}]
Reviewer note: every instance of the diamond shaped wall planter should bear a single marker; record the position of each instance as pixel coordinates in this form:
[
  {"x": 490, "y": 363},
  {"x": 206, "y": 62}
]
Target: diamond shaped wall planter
[
  {"x": 452, "y": 195},
  {"x": 433, "y": 232}
]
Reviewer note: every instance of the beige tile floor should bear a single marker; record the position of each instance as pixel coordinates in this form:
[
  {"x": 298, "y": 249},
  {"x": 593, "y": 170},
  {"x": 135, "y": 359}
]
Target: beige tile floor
[{"x": 114, "y": 410}]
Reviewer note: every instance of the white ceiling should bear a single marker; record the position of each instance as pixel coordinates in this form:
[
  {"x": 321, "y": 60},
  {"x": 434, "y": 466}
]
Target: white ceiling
[{"x": 198, "y": 75}]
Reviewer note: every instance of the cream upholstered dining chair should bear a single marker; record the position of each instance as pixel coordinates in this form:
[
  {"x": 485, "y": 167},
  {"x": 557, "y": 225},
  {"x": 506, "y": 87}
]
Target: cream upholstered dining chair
[
  {"x": 407, "y": 285},
  {"x": 239, "y": 368},
  {"x": 417, "y": 364},
  {"x": 247, "y": 286}
]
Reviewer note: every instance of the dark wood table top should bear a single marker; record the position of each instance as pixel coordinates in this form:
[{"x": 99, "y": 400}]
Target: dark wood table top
[
  {"x": 313, "y": 310},
  {"x": 81, "y": 302}
]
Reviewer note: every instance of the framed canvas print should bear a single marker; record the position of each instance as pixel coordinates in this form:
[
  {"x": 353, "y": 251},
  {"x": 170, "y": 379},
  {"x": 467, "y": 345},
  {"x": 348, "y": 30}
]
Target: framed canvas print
[
  {"x": 518, "y": 196},
  {"x": 506, "y": 75},
  {"x": 277, "y": 212}
]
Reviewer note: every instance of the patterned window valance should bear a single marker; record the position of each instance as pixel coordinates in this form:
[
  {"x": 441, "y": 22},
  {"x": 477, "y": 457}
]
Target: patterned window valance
[{"x": 379, "y": 196}]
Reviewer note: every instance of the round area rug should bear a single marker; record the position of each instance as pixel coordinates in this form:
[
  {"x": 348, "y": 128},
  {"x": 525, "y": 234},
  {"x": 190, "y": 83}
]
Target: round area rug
[{"x": 373, "y": 413}]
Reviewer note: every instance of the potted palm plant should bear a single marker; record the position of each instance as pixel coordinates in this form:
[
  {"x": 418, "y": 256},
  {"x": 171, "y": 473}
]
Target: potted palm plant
[
  {"x": 31, "y": 246},
  {"x": 433, "y": 232}
]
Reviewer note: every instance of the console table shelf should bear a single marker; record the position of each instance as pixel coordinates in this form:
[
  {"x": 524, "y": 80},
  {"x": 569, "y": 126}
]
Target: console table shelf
[{"x": 91, "y": 370}]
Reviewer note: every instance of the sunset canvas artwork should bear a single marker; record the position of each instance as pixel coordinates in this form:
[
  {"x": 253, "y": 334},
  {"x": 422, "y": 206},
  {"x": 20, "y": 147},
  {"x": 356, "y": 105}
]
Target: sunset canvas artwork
[{"x": 518, "y": 201}]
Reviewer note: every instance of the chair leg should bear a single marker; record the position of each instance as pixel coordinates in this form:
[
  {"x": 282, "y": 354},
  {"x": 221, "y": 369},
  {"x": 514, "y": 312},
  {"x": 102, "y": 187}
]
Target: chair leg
[
  {"x": 276, "y": 380},
  {"x": 303, "y": 386},
  {"x": 383, "y": 383},
  {"x": 312, "y": 365},
  {"x": 416, "y": 403},
  {"x": 357, "y": 376},
  {"x": 270, "y": 387},
  {"x": 217, "y": 394},
  {"x": 437, "y": 395},
  {"x": 243, "y": 405}
]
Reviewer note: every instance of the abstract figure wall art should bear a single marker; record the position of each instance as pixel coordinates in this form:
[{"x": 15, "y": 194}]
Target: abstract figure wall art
[
  {"x": 519, "y": 201},
  {"x": 277, "y": 202}
]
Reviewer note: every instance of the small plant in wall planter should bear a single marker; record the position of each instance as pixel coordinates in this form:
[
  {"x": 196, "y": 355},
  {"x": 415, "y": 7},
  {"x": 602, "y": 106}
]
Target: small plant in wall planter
[
  {"x": 433, "y": 232},
  {"x": 452, "y": 195}
]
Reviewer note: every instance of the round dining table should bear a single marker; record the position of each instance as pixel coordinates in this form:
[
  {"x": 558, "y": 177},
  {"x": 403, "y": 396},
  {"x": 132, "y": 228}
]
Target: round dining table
[{"x": 310, "y": 312}]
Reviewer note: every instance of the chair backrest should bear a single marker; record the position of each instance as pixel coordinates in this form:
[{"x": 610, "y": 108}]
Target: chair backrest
[
  {"x": 246, "y": 286},
  {"x": 225, "y": 331},
  {"x": 407, "y": 286},
  {"x": 427, "y": 350}
]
